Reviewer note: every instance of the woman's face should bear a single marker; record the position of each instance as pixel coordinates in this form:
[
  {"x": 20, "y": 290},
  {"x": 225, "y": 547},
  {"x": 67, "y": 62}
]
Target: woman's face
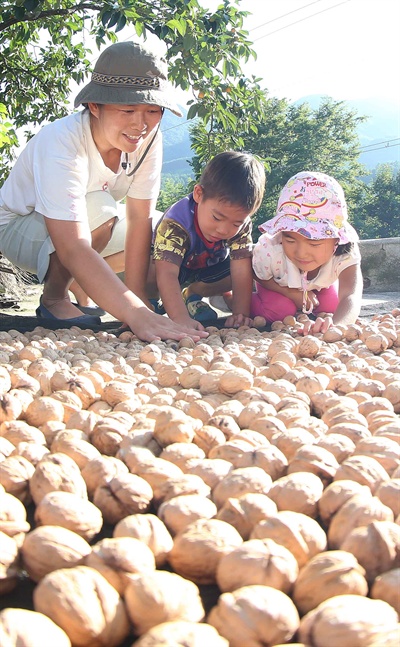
[
  {"x": 307, "y": 254},
  {"x": 122, "y": 127}
]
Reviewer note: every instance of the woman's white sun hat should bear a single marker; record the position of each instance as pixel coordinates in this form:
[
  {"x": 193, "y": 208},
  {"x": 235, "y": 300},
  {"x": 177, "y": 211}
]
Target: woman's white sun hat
[{"x": 127, "y": 73}]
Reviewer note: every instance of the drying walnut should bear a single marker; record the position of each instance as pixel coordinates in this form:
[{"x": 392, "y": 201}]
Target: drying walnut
[
  {"x": 299, "y": 492},
  {"x": 302, "y": 535},
  {"x": 336, "y": 494},
  {"x": 9, "y": 563},
  {"x": 198, "y": 548},
  {"x": 181, "y": 633},
  {"x": 257, "y": 561},
  {"x": 357, "y": 511},
  {"x": 211, "y": 470},
  {"x": 49, "y": 548},
  {"x": 330, "y": 573},
  {"x": 150, "y": 530},
  {"x": 376, "y": 546},
  {"x": 179, "y": 511},
  {"x": 255, "y": 615},
  {"x": 13, "y": 517},
  {"x": 15, "y": 475},
  {"x": 85, "y": 605},
  {"x": 70, "y": 511},
  {"x": 99, "y": 470},
  {"x": 184, "y": 484},
  {"x": 386, "y": 587},
  {"x": 118, "y": 558},
  {"x": 24, "y": 627},
  {"x": 160, "y": 596},
  {"x": 56, "y": 472},
  {"x": 363, "y": 469},
  {"x": 123, "y": 495},
  {"x": 349, "y": 621},
  {"x": 244, "y": 512},
  {"x": 241, "y": 481}
]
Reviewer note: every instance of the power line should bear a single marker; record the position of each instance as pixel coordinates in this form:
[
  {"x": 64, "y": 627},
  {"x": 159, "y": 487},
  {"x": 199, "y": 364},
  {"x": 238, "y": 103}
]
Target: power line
[
  {"x": 380, "y": 148},
  {"x": 284, "y": 15},
  {"x": 301, "y": 20},
  {"x": 379, "y": 143}
]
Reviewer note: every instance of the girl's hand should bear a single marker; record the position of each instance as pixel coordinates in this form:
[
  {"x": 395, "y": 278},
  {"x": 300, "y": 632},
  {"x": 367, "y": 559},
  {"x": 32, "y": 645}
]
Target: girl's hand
[
  {"x": 235, "y": 321},
  {"x": 321, "y": 324},
  {"x": 149, "y": 326}
]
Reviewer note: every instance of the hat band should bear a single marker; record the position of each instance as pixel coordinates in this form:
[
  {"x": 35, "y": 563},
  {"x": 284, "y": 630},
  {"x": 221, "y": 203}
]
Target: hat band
[{"x": 135, "y": 81}]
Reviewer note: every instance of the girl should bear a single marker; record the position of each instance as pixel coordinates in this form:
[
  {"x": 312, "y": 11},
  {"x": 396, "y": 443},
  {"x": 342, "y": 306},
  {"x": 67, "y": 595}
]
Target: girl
[{"x": 308, "y": 258}]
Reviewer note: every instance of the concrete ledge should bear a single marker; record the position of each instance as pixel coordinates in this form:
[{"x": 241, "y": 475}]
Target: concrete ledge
[{"x": 380, "y": 264}]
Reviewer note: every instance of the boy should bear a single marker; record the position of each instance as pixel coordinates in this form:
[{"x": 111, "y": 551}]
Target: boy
[{"x": 203, "y": 242}]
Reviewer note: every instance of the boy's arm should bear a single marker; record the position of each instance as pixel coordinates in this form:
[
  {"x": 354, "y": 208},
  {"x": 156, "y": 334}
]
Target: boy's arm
[
  {"x": 171, "y": 294},
  {"x": 242, "y": 287}
]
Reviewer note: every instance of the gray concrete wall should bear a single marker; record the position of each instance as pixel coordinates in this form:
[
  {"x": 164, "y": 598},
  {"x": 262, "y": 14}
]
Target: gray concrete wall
[{"x": 380, "y": 264}]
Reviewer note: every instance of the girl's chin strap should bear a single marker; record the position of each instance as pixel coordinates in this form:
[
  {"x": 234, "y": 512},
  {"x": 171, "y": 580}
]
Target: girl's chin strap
[{"x": 304, "y": 286}]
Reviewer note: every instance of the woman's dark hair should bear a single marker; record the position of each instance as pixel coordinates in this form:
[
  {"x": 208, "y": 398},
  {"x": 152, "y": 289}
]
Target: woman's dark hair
[
  {"x": 238, "y": 178},
  {"x": 343, "y": 249}
]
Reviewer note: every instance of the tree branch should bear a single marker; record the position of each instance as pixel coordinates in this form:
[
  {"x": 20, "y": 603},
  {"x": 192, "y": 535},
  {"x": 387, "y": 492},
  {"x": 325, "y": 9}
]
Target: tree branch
[{"x": 29, "y": 17}]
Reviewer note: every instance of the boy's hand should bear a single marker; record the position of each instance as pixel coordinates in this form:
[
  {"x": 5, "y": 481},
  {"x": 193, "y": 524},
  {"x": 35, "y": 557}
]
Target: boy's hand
[{"x": 235, "y": 321}]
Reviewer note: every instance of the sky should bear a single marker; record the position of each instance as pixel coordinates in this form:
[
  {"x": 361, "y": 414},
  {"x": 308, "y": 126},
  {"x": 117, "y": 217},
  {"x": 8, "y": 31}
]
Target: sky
[{"x": 345, "y": 49}]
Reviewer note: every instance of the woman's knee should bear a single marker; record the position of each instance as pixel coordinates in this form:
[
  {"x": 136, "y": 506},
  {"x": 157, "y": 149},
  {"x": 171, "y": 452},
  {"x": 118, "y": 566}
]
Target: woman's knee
[{"x": 101, "y": 236}]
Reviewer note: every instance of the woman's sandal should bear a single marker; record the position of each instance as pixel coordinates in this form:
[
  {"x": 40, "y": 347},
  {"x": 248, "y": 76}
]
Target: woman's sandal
[{"x": 43, "y": 313}]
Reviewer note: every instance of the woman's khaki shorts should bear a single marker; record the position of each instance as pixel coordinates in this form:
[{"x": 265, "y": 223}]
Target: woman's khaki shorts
[{"x": 26, "y": 243}]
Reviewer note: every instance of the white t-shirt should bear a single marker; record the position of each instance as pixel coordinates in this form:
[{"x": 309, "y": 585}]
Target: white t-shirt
[
  {"x": 61, "y": 164},
  {"x": 270, "y": 262}
]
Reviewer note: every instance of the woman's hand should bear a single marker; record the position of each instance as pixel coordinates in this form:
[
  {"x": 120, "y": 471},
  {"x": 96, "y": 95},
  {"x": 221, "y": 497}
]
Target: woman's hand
[{"x": 149, "y": 326}]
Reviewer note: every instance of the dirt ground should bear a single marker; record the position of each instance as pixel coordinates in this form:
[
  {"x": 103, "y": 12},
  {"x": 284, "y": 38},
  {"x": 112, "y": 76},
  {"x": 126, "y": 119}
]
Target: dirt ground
[{"x": 373, "y": 303}]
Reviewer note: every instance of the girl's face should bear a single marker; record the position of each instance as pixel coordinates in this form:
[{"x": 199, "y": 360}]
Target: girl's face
[
  {"x": 218, "y": 220},
  {"x": 308, "y": 255},
  {"x": 122, "y": 127}
]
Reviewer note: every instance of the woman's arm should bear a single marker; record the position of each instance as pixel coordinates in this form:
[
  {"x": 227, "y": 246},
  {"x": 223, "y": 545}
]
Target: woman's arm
[
  {"x": 137, "y": 244},
  {"x": 73, "y": 247}
]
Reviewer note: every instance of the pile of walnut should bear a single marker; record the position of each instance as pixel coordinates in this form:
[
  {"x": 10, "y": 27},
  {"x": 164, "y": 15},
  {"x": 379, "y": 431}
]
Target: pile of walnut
[{"x": 266, "y": 464}]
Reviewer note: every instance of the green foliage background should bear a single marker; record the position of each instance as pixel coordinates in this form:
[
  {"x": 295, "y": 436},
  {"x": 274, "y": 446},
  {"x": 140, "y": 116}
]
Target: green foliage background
[{"x": 44, "y": 45}]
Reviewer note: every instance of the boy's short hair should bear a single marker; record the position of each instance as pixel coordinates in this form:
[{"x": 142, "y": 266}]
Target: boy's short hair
[{"x": 238, "y": 178}]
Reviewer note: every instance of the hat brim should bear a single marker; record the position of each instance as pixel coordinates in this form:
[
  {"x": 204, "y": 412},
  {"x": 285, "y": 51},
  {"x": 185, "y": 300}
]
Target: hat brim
[
  {"x": 319, "y": 229},
  {"x": 95, "y": 93}
]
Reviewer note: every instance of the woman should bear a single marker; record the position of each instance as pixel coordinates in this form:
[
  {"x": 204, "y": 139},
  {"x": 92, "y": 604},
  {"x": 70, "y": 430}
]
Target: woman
[{"x": 59, "y": 216}]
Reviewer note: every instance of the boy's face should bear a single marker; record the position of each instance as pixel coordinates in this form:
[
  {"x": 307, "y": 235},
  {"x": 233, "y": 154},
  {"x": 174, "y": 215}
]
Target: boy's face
[
  {"x": 305, "y": 253},
  {"x": 217, "y": 219}
]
